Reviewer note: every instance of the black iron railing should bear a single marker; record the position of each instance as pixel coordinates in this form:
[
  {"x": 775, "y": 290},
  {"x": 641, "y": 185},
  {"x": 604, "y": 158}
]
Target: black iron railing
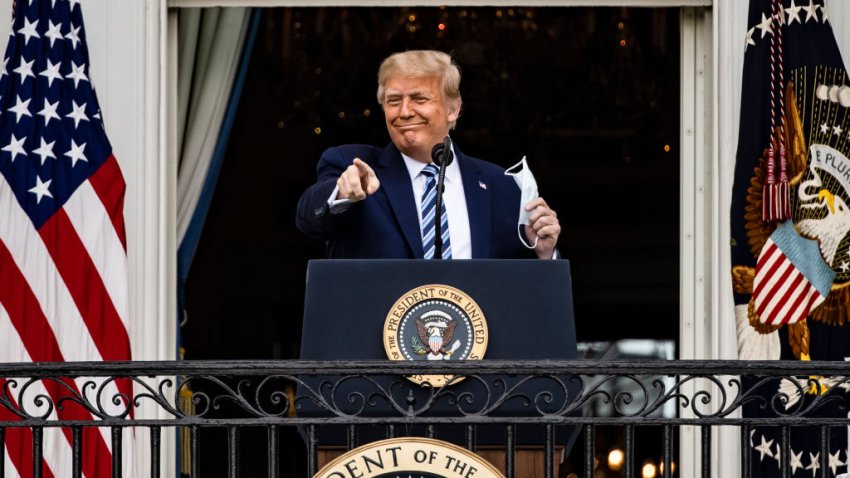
[{"x": 354, "y": 401}]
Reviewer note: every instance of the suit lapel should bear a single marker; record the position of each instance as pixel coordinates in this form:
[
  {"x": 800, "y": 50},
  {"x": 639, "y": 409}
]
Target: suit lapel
[
  {"x": 395, "y": 181},
  {"x": 477, "y": 205}
]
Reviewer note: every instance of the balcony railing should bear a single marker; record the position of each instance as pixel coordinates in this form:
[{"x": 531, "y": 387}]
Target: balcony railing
[{"x": 551, "y": 399}]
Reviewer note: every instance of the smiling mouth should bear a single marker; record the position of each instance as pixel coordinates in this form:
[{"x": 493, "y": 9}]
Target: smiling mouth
[{"x": 410, "y": 126}]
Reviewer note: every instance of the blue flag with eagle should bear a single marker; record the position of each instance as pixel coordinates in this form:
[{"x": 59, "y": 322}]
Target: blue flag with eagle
[{"x": 790, "y": 225}]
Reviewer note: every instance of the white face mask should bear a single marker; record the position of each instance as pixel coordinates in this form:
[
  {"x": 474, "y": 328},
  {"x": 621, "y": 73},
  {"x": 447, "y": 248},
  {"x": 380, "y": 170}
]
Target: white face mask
[{"x": 528, "y": 191}]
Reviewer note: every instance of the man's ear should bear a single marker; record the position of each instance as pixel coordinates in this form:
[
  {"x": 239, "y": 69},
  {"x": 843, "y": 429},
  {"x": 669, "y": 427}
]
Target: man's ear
[{"x": 454, "y": 109}]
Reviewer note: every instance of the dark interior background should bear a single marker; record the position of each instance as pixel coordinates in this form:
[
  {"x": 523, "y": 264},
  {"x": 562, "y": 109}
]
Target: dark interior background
[{"x": 589, "y": 95}]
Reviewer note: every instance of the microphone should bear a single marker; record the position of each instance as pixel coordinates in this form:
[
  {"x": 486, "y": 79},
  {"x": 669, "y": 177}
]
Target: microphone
[
  {"x": 438, "y": 153},
  {"x": 442, "y": 156}
]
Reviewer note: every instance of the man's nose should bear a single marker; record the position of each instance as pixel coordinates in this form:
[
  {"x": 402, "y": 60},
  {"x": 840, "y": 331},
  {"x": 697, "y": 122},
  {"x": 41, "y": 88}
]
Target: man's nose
[{"x": 405, "y": 111}]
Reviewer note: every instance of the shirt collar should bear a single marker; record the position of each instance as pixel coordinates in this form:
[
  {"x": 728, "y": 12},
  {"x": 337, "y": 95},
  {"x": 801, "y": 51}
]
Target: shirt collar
[{"x": 414, "y": 168}]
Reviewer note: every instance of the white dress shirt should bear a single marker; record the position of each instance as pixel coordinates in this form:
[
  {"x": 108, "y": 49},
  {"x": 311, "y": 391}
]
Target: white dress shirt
[{"x": 454, "y": 201}]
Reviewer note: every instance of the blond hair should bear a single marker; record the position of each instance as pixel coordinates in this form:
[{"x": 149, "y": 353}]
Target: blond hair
[{"x": 422, "y": 63}]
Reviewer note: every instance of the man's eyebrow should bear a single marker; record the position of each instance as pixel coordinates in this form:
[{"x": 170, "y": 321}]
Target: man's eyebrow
[{"x": 409, "y": 93}]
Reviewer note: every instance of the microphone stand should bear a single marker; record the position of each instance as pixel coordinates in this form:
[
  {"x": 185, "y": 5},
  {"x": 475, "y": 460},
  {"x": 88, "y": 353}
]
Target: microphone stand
[{"x": 443, "y": 160}]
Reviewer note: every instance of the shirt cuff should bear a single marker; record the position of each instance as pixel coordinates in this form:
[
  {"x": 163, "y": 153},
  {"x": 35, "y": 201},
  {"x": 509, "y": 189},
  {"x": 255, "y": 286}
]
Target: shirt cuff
[{"x": 337, "y": 206}]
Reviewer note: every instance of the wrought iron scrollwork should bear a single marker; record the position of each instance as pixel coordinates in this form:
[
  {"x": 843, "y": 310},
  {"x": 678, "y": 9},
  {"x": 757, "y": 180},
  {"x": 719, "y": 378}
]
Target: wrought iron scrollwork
[{"x": 552, "y": 392}]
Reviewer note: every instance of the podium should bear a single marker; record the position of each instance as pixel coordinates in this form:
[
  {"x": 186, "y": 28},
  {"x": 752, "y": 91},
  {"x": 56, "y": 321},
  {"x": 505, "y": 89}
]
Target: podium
[{"x": 528, "y": 309}]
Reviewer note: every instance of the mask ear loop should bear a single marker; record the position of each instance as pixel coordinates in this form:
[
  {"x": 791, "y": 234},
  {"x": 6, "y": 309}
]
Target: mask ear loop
[{"x": 523, "y": 240}]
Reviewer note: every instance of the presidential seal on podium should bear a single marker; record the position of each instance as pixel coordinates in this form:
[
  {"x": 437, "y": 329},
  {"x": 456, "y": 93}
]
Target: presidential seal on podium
[{"x": 435, "y": 322}]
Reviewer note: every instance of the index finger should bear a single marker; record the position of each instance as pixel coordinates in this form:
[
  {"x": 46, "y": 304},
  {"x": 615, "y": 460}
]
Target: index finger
[{"x": 362, "y": 167}]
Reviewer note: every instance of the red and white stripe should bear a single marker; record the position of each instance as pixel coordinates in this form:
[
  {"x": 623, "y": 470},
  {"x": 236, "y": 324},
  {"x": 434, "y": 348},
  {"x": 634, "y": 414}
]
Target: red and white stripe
[
  {"x": 781, "y": 293},
  {"x": 64, "y": 297}
]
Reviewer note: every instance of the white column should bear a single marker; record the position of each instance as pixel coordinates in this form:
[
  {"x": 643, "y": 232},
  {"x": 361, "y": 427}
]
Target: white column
[{"x": 730, "y": 26}]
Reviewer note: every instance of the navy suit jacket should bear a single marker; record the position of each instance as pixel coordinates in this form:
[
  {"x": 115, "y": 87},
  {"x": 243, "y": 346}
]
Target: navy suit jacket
[{"x": 386, "y": 224}]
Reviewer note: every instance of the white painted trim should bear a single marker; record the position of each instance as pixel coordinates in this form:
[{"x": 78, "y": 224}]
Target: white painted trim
[
  {"x": 689, "y": 455},
  {"x": 156, "y": 244},
  {"x": 730, "y": 18},
  {"x": 696, "y": 229},
  {"x": 436, "y": 3},
  {"x": 695, "y": 137}
]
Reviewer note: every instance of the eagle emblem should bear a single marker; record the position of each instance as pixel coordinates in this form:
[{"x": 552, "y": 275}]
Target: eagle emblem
[
  {"x": 436, "y": 334},
  {"x": 818, "y": 171}
]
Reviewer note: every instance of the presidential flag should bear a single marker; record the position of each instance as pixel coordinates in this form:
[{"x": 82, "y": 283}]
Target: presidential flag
[
  {"x": 63, "y": 250},
  {"x": 790, "y": 220}
]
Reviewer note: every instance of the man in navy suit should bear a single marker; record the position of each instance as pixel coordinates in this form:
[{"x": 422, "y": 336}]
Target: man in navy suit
[{"x": 367, "y": 201}]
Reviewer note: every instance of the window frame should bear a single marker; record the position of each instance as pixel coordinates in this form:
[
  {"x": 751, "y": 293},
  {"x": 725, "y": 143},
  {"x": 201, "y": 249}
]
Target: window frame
[{"x": 701, "y": 254}]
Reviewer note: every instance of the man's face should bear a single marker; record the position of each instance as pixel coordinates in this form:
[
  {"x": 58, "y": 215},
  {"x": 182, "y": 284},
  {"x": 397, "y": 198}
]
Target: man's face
[{"x": 417, "y": 115}]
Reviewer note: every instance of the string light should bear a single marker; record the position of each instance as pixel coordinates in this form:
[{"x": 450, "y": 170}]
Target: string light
[
  {"x": 648, "y": 470},
  {"x": 441, "y": 26},
  {"x": 317, "y": 130},
  {"x": 666, "y": 148},
  {"x": 615, "y": 459}
]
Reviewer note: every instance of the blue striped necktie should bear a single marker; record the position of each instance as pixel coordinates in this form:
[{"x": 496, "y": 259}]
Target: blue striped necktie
[{"x": 429, "y": 201}]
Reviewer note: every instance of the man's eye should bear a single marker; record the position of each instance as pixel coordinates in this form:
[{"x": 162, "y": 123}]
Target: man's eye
[
  {"x": 420, "y": 100},
  {"x": 393, "y": 101}
]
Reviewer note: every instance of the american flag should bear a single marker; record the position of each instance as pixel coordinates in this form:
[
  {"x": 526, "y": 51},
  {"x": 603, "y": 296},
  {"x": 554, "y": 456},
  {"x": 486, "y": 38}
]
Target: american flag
[{"x": 63, "y": 259}]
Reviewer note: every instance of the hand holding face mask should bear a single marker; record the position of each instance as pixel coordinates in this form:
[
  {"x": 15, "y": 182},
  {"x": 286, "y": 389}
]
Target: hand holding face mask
[{"x": 541, "y": 222}]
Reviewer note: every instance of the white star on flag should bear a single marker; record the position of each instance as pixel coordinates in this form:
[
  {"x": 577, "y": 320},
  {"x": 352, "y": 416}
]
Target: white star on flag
[
  {"x": 41, "y": 189},
  {"x": 814, "y": 463},
  {"x": 793, "y": 13},
  {"x": 764, "y": 448},
  {"x": 811, "y": 11},
  {"x": 796, "y": 461},
  {"x": 54, "y": 32},
  {"x": 21, "y": 108},
  {"x": 76, "y": 153},
  {"x": 25, "y": 69},
  {"x": 750, "y": 40},
  {"x": 74, "y": 36},
  {"x": 79, "y": 114},
  {"x": 49, "y": 111},
  {"x": 765, "y": 26},
  {"x": 28, "y": 31},
  {"x": 78, "y": 74},
  {"x": 45, "y": 151},
  {"x": 835, "y": 461},
  {"x": 51, "y": 72},
  {"x": 824, "y": 128},
  {"x": 15, "y": 147}
]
